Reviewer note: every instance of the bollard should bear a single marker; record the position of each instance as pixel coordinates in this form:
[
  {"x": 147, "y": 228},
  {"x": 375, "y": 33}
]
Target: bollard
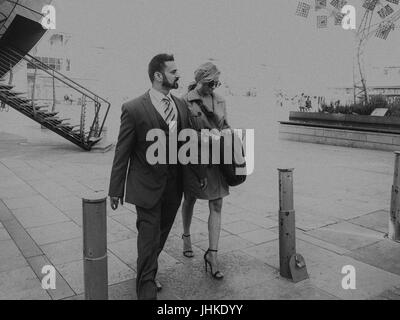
[
  {"x": 95, "y": 248},
  {"x": 394, "y": 219},
  {"x": 287, "y": 229}
]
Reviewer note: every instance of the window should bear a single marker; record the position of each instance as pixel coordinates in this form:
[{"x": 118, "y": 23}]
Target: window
[{"x": 54, "y": 63}]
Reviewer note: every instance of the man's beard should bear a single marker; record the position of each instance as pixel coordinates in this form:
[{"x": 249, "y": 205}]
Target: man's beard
[{"x": 167, "y": 85}]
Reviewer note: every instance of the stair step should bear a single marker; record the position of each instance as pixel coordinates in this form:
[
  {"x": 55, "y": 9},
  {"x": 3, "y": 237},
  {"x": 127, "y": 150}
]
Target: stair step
[
  {"x": 6, "y": 86},
  {"x": 40, "y": 107},
  {"x": 16, "y": 93},
  {"x": 52, "y": 119},
  {"x": 63, "y": 125},
  {"x": 49, "y": 114}
]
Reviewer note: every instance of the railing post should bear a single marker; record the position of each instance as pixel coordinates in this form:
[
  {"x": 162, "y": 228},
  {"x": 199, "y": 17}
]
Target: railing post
[
  {"x": 95, "y": 248},
  {"x": 53, "y": 108},
  {"x": 33, "y": 93},
  {"x": 394, "y": 219},
  {"x": 287, "y": 229}
]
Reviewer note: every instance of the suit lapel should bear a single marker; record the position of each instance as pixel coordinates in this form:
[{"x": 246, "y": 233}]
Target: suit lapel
[
  {"x": 150, "y": 110},
  {"x": 179, "y": 108}
]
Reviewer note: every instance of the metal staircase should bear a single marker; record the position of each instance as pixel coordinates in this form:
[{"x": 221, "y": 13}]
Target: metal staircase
[{"x": 93, "y": 109}]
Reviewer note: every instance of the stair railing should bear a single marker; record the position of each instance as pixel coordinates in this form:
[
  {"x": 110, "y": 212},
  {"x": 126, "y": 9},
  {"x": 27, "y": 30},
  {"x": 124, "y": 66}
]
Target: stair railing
[{"x": 12, "y": 56}]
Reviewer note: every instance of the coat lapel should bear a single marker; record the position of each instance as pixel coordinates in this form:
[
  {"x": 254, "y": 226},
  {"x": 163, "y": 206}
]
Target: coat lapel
[
  {"x": 150, "y": 110},
  {"x": 180, "y": 109}
]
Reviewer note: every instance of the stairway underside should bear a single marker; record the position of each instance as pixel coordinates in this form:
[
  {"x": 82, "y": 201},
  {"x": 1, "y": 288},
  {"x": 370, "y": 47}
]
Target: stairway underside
[{"x": 46, "y": 118}]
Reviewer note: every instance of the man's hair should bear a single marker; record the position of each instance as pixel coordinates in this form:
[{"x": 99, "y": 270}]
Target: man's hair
[{"x": 157, "y": 64}]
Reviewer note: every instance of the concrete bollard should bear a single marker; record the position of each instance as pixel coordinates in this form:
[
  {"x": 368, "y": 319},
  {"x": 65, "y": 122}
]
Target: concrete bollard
[
  {"x": 394, "y": 219},
  {"x": 287, "y": 228},
  {"x": 95, "y": 248}
]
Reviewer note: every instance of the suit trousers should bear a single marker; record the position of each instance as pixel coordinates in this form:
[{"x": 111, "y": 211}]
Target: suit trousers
[{"x": 153, "y": 227}]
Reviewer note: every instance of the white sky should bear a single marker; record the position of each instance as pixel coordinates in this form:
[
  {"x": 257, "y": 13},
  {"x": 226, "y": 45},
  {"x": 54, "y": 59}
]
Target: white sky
[{"x": 239, "y": 34}]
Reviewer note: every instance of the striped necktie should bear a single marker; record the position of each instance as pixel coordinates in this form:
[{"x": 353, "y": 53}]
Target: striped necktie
[{"x": 169, "y": 112}]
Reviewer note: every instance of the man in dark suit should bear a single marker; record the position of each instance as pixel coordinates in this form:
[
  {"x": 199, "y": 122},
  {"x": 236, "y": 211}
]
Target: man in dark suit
[{"x": 155, "y": 189}]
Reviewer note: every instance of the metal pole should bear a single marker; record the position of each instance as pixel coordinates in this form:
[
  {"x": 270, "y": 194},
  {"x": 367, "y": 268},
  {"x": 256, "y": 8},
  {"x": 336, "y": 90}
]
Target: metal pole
[
  {"x": 53, "y": 108},
  {"x": 33, "y": 93},
  {"x": 95, "y": 248},
  {"x": 287, "y": 229},
  {"x": 394, "y": 220}
]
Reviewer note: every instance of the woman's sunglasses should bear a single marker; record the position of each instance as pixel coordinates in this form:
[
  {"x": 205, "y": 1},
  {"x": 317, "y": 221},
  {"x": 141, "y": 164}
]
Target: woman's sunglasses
[{"x": 213, "y": 84}]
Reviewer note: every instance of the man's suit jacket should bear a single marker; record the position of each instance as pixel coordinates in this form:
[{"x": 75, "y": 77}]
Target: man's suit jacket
[{"x": 145, "y": 183}]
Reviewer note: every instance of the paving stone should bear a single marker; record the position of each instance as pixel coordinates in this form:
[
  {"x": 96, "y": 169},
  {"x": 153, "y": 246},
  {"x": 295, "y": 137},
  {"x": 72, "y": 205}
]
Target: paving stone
[
  {"x": 126, "y": 250},
  {"x": 75, "y": 215},
  {"x": 370, "y": 281},
  {"x": 226, "y": 244},
  {"x": 384, "y": 255},
  {"x": 324, "y": 268},
  {"x": 261, "y": 221},
  {"x": 259, "y": 236},
  {"x": 27, "y": 173},
  {"x": 117, "y": 232},
  {"x": 240, "y": 227},
  {"x": 26, "y": 202},
  {"x": 55, "y": 232},
  {"x": 62, "y": 289},
  {"x": 318, "y": 242},
  {"x": 391, "y": 294},
  {"x": 21, "y": 284},
  {"x": 51, "y": 190},
  {"x": 282, "y": 289},
  {"x": 378, "y": 221},
  {"x": 67, "y": 202},
  {"x": 5, "y": 213},
  {"x": 17, "y": 191},
  {"x": 127, "y": 219},
  {"x": 190, "y": 281},
  {"x": 39, "y": 216},
  {"x": 347, "y": 235},
  {"x": 72, "y": 272},
  {"x": 4, "y": 234},
  {"x": 14, "y": 163},
  {"x": 174, "y": 247},
  {"x": 11, "y": 257},
  {"x": 22, "y": 239},
  {"x": 127, "y": 291},
  {"x": 165, "y": 261},
  {"x": 64, "y": 251}
]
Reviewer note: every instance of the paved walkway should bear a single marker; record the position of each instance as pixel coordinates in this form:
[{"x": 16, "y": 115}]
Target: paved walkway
[{"x": 342, "y": 198}]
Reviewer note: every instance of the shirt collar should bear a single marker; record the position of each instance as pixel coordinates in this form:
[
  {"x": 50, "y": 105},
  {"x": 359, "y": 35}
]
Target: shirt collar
[{"x": 158, "y": 96}]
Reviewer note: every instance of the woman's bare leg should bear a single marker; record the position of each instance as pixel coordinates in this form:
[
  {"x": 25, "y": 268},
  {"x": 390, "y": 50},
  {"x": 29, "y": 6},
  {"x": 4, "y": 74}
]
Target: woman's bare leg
[
  {"x": 214, "y": 230},
  {"x": 187, "y": 214}
]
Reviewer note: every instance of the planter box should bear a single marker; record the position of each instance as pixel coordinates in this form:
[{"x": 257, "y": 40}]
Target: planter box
[
  {"x": 368, "y": 132},
  {"x": 347, "y": 120}
]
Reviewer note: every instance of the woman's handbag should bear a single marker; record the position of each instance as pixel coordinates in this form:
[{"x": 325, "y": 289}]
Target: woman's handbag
[{"x": 233, "y": 162}]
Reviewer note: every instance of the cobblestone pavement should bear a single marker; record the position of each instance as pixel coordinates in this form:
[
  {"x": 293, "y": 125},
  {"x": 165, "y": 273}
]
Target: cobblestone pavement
[{"x": 341, "y": 196}]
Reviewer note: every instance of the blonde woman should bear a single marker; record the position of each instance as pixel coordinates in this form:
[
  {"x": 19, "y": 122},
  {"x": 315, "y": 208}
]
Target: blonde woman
[{"x": 209, "y": 112}]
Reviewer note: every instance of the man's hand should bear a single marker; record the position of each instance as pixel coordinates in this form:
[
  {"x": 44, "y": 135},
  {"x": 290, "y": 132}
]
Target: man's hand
[
  {"x": 203, "y": 183},
  {"x": 114, "y": 202}
]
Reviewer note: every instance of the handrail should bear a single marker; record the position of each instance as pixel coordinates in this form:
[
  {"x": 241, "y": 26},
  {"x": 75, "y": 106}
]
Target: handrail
[
  {"x": 67, "y": 81},
  {"x": 13, "y": 56}
]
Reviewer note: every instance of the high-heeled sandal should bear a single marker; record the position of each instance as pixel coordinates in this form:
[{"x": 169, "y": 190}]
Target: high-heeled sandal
[
  {"x": 187, "y": 253},
  {"x": 217, "y": 274}
]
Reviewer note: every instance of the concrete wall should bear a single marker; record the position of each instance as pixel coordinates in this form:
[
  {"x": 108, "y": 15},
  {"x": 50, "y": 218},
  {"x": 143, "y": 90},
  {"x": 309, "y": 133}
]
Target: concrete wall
[{"x": 340, "y": 137}]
